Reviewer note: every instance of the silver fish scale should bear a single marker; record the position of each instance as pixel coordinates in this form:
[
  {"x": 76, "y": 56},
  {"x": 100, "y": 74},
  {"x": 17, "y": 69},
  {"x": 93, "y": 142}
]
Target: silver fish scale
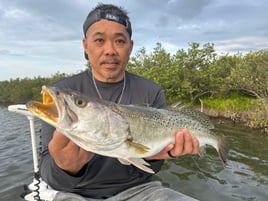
[{"x": 157, "y": 118}]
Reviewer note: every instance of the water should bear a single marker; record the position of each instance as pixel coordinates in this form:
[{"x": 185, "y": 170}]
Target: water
[{"x": 245, "y": 177}]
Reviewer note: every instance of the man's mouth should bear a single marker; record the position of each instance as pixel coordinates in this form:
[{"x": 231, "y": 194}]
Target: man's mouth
[{"x": 110, "y": 62}]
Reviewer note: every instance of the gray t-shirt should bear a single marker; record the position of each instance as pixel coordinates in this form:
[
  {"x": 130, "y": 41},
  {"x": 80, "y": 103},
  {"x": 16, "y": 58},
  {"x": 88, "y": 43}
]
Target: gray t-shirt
[{"x": 102, "y": 176}]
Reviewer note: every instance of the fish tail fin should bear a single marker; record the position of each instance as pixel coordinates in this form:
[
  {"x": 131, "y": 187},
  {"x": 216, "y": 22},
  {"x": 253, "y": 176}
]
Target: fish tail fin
[
  {"x": 223, "y": 148},
  {"x": 202, "y": 151}
]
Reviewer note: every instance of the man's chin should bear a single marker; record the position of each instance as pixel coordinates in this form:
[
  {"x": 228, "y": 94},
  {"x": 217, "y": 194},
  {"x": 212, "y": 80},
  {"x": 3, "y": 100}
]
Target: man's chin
[{"x": 113, "y": 76}]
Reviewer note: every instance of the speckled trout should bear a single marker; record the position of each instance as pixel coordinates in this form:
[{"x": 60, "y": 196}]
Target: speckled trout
[{"x": 126, "y": 132}]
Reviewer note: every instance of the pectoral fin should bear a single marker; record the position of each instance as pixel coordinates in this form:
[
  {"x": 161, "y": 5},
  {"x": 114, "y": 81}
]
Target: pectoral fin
[
  {"x": 124, "y": 161},
  {"x": 138, "y": 162},
  {"x": 137, "y": 148}
]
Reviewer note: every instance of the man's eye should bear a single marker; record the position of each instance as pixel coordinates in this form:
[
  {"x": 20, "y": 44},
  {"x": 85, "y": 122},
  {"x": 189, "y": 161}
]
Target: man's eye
[
  {"x": 121, "y": 41},
  {"x": 99, "y": 40}
]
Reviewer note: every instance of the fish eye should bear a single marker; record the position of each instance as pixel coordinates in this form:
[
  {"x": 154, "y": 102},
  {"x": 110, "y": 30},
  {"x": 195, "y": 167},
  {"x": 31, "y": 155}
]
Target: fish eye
[{"x": 80, "y": 102}]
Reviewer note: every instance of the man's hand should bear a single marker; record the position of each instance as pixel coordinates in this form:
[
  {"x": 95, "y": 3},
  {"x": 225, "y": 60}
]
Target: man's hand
[
  {"x": 185, "y": 143},
  {"x": 67, "y": 155}
]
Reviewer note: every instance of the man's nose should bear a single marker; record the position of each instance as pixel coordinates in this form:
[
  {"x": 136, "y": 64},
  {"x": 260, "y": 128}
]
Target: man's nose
[{"x": 109, "y": 48}]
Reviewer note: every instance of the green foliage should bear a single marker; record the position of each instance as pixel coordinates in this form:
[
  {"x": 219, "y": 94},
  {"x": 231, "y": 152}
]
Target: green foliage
[
  {"x": 184, "y": 76},
  {"x": 251, "y": 74},
  {"x": 220, "y": 72},
  {"x": 200, "y": 72},
  {"x": 23, "y": 90},
  {"x": 234, "y": 103}
]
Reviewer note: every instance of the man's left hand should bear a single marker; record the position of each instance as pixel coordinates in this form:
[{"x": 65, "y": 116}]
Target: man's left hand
[{"x": 185, "y": 143}]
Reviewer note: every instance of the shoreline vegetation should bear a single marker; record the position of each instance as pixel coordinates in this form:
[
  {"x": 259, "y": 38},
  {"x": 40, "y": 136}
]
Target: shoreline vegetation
[{"x": 230, "y": 86}]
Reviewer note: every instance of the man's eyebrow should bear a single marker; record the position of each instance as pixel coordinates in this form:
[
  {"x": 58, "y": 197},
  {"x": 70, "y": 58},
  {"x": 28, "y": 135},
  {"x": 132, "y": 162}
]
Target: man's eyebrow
[
  {"x": 98, "y": 33},
  {"x": 120, "y": 34},
  {"x": 117, "y": 34}
]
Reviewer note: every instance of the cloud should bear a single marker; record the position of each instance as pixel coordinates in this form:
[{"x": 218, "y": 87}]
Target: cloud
[
  {"x": 242, "y": 45},
  {"x": 4, "y": 52},
  {"x": 40, "y": 20},
  {"x": 186, "y": 9}
]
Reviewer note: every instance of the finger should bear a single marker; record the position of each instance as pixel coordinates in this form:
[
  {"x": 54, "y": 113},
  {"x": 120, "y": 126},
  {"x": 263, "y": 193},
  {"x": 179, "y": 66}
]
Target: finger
[
  {"x": 195, "y": 145},
  {"x": 63, "y": 142},
  {"x": 73, "y": 147},
  {"x": 163, "y": 154},
  {"x": 167, "y": 151},
  {"x": 59, "y": 140},
  {"x": 85, "y": 156},
  {"x": 179, "y": 142},
  {"x": 188, "y": 144}
]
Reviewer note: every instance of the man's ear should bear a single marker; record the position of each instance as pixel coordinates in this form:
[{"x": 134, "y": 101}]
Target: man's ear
[
  {"x": 131, "y": 46},
  {"x": 85, "y": 46}
]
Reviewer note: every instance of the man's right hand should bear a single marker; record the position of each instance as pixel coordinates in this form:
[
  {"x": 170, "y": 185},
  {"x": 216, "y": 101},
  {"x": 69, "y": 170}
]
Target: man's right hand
[{"x": 67, "y": 155}]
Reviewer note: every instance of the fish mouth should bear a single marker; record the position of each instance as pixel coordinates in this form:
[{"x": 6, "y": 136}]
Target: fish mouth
[{"x": 49, "y": 109}]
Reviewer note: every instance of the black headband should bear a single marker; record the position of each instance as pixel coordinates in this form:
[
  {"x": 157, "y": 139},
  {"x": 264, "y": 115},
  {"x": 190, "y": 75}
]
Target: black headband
[{"x": 98, "y": 15}]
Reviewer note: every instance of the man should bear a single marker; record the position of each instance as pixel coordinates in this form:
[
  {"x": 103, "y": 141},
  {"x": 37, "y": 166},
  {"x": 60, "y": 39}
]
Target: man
[{"x": 67, "y": 167}]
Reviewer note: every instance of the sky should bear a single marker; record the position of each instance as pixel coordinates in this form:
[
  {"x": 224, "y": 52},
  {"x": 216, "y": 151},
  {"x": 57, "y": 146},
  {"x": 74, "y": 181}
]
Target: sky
[{"x": 41, "y": 38}]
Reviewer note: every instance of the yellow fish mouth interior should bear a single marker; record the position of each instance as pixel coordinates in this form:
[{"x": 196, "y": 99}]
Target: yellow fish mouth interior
[{"x": 48, "y": 108}]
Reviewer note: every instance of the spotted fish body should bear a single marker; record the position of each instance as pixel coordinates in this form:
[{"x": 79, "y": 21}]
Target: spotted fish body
[{"x": 127, "y": 132}]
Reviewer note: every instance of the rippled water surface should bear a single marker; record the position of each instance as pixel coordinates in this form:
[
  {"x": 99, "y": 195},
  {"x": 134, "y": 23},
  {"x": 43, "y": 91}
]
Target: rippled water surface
[{"x": 244, "y": 178}]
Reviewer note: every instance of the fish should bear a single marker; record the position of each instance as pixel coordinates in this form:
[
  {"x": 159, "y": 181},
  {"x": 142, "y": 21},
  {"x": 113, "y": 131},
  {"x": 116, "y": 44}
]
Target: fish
[
  {"x": 129, "y": 133},
  {"x": 200, "y": 116}
]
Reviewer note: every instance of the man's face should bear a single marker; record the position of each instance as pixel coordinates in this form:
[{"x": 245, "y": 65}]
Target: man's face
[{"x": 108, "y": 47}]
